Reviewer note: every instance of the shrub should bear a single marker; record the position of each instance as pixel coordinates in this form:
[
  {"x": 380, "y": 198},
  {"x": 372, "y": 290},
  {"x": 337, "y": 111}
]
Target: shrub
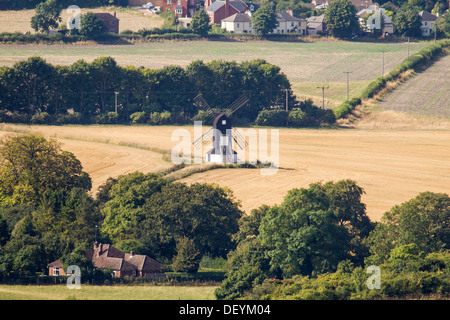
[
  {"x": 41, "y": 118},
  {"x": 138, "y": 117},
  {"x": 275, "y": 118},
  {"x": 160, "y": 118},
  {"x": 106, "y": 118}
]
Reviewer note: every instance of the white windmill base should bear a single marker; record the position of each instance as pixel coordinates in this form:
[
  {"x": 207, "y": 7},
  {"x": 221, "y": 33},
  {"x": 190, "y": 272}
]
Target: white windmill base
[{"x": 219, "y": 158}]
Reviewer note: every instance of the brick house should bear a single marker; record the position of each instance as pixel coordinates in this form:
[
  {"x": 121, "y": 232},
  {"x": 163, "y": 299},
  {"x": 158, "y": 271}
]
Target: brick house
[
  {"x": 109, "y": 21},
  {"x": 105, "y": 256},
  {"x": 219, "y": 10},
  {"x": 181, "y": 8}
]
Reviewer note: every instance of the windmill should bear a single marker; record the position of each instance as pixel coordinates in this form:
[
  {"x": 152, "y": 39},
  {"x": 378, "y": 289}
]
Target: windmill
[{"x": 222, "y": 133}]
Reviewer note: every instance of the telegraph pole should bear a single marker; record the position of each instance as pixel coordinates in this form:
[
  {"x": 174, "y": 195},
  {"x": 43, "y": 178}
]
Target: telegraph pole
[
  {"x": 382, "y": 68},
  {"x": 117, "y": 115},
  {"x": 323, "y": 96},
  {"x": 347, "y": 72},
  {"x": 408, "y": 47},
  {"x": 287, "y": 106}
]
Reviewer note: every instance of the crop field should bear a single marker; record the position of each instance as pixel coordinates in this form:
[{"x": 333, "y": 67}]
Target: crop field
[
  {"x": 116, "y": 292},
  {"x": 308, "y": 65},
  {"x": 427, "y": 93},
  {"x": 20, "y": 21},
  {"x": 392, "y": 165}
]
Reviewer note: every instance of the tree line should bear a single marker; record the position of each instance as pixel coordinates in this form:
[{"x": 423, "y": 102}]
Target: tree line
[{"x": 34, "y": 91}]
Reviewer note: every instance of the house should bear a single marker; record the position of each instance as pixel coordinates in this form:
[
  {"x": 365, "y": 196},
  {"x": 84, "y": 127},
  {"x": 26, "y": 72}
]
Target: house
[
  {"x": 181, "y": 8},
  {"x": 238, "y": 23},
  {"x": 252, "y": 7},
  {"x": 428, "y": 22},
  {"x": 219, "y": 10},
  {"x": 110, "y": 21},
  {"x": 287, "y": 23},
  {"x": 316, "y": 25},
  {"x": 323, "y": 4},
  {"x": 373, "y": 17},
  {"x": 105, "y": 256}
]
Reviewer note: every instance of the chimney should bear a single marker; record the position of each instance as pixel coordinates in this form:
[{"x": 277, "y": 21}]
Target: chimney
[
  {"x": 290, "y": 12},
  {"x": 227, "y": 9},
  {"x": 131, "y": 253},
  {"x": 100, "y": 248},
  {"x": 114, "y": 14}
]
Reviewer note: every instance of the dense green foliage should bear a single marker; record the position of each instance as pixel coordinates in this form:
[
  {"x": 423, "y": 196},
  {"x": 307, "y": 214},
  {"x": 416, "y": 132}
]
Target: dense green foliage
[
  {"x": 407, "y": 21},
  {"x": 341, "y": 19},
  {"x": 85, "y": 92},
  {"x": 48, "y": 16},
  {"x": 46, "y": 213},
  {"x": 200, "y": 23},
  {"x": 264, "y": 20},
  {"x": 319, "y": 243}
]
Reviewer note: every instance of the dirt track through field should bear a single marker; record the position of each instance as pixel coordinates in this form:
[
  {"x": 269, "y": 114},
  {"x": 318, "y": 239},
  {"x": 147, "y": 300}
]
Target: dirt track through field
[{"x": 392, "y": 166}]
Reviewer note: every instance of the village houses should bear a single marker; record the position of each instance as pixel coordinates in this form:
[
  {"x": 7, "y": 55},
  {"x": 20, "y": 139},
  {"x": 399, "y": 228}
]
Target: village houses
[{"x": 105, "y": 256}]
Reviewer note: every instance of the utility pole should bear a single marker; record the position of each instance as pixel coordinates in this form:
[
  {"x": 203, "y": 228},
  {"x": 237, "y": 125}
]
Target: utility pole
[
  {"x": 323, "y": 96},
  {"x": 408, "y": 47},
  {"x": 117, "y": 115},
  {"x": 287, "y": 105},
  {"x": 347, "y": 72},
  {"x": 382, "y": 68}
]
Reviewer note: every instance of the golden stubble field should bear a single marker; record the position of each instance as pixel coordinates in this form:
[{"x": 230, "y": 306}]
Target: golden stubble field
[{"x": 392, "y": 165}]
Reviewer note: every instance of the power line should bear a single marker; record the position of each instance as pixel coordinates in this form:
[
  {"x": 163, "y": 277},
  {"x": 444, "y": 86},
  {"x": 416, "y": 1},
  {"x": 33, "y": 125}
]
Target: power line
[{"x": 323, "y": 95}]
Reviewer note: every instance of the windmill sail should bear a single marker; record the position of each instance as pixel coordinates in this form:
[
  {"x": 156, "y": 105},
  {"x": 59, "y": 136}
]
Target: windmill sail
[
  {"x": 201, "y": 103},
  {"x": 242, "y": 100},
  {"x": 239, "y": 138},
  {"x": 204, "y": 139}
]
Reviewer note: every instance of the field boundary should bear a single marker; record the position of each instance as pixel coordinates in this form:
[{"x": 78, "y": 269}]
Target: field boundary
[{"x": 379, "y": 87}]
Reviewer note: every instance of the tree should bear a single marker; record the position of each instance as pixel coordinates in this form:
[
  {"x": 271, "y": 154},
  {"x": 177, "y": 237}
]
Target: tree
[
  {"x": 205, "y": 213},
  {"x": 316, "y": 228},
  {"x": 341, "y": 19},
  {"x": 48, "y": 15},
  {"x": 127, "y": 197},
  {"x": 200, "y": 23},
  {"x": 31, "y": 165},
  {"x": 264, "y": 20},
  {"x": 422, "y": 221},
  {"x": 443, "y": 24},
  {"x": 91, "y": 25},
  {"x": 188, "y": 256},
  {"x": 407, "y": 21}
]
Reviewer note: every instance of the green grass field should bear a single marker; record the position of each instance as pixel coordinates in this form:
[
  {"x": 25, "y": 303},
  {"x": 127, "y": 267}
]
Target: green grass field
[
  {"x": 116, "y": 292},
  {"x": 308, "y": 65}
]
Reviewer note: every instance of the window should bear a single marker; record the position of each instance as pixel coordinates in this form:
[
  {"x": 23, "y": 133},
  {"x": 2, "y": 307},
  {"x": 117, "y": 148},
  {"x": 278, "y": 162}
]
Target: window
[
  {"x": 55, "y": 271},
  {"x": 112, "y": 22},
  {"x": 169, "y": 1},
  {"x": 237, "y": 25},
  {"x": 292, "y": 24},
  {"x": 179, "y": 11},
  {"x": 250, "y": 24},
  {"x": 179, "y": 2}
]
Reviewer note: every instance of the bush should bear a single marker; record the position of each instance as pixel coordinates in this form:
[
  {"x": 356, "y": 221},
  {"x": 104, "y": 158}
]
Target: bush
[
  {"x": 160, "y": 118},
  {"x": 106, "y": 118},
  {"x": 138, "y": 117},
  {"x": 69, "y": 118},
  {"x": 275, "y": 118},
  {"x": 41, "y": 118}
]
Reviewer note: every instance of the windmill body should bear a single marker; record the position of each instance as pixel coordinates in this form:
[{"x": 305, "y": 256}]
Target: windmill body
[
  {"x": 222, "y": 133},
  {"x": 222, "y": 151}
]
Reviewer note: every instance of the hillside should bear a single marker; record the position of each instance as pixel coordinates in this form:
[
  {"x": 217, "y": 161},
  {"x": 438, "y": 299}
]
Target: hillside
[
  {"x": 427, "y": 93},
  {"x": 392, "y": 166}
]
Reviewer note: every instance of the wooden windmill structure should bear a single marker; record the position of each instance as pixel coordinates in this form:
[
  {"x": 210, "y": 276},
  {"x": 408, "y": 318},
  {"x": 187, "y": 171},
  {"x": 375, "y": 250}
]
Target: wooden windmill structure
[{"x": 222, "y": 133}]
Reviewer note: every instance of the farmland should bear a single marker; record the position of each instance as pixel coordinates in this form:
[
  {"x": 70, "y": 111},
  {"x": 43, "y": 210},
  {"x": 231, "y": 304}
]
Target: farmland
[
  {"x": 308, "y": 65},
  {"x": 391, "y": 165},
  {"x": 61, "y": 292},
  {"x": 432, "y": 92},
  {"x": 19, "y": 21}
]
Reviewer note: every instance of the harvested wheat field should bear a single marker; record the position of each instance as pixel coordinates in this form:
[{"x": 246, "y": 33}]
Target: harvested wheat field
[
  {"x": 392, "y": 165},
  {"x": 431, "y": 92}
]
